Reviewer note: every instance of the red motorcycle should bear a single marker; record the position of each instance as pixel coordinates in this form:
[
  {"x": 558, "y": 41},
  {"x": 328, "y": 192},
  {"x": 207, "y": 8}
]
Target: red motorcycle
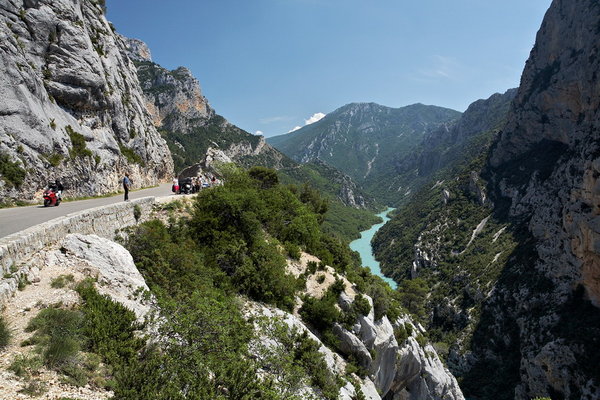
[{"x": 51, "y": 198}]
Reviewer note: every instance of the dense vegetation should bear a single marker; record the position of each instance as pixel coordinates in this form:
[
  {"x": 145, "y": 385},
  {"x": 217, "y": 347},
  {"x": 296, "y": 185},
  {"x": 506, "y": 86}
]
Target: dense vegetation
[
  {"x": 197, "y": 266},
  {"x": 4, "y": 333},
  {"x": 342, "y": 220}
]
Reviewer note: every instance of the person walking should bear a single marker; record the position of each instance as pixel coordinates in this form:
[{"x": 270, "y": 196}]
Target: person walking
[{"x": 126, "y": 186}]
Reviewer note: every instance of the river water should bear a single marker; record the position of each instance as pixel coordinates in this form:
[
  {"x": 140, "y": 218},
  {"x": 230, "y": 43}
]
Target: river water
[{"x": 363, "y": 246}]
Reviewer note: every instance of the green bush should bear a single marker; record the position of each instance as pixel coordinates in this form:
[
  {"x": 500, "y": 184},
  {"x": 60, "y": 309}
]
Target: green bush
[
  {"x": 412, "y": 295},
  {"x": 79, "y": 148},
  {"x": 34, "y": 388},
  {"x": 4, "y": 333},
  {"x": 108, "y": 327},
  {"x": 361, "y": 305},
  {"x": 26, "y": 366},
  {"x": 321, "y": 313},
  {"x": 11, "y": 172},
  {"x": 54, "y": 159},
  {"x": 57, "y": 332},
  {"x": 400, "y": 334},
  {"x": 137, "y": 212},
  {"x": 131, "y": 155},
  {"x": 263, "y": 277},
  {"x": 292, "y": 250}
]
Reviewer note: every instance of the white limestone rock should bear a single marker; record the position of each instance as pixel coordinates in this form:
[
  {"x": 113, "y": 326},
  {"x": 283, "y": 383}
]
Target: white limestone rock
[
  {"x": 118, "y": 277},
  {"x": 62, "y": 70},
  {"x": 421, "y": 375}
]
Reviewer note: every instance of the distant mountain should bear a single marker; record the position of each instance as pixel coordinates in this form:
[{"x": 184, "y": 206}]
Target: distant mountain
[
  {"x": 364, "y": 140},
  {"x": 445, "y": 148}
]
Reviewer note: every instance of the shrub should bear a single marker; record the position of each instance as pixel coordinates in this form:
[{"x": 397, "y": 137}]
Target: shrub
[
  {"x": 137, "y": 212},
  {"x": 4, "y": 333},
  {"x": 34, "y": 388},
  {"x": 131, "y": 155},
  {"x": 11, "y": 172},
  {"x": 421, "y": 340},
  {"x": 412, "y": 293},
  {"x": 54, "y": 159},
  {"x": 264, "y": 278},
  {"x": 79, "y": 148},
  {"x": 61, "y": 281},
  {"x": 57, "y": 332},
  {"x": 311, "y": 267},
  {"x": 109, "y": 327},
  {"x": 361, "y": 305},
  {"x": 266, "y": 177},
  {"x": 400, "y": 334},
  {"x": 25, "y": 366},
  {"x": 292, "y": 250},
  {"x": 320, "y": 313}
]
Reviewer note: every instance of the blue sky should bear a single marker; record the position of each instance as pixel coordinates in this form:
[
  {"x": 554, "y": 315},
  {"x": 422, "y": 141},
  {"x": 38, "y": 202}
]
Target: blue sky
[{"x": 269, "y": 65}]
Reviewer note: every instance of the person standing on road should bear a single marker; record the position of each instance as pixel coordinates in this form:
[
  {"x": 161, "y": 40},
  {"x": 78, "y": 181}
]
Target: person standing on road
[{"x": 126, "y": 186}]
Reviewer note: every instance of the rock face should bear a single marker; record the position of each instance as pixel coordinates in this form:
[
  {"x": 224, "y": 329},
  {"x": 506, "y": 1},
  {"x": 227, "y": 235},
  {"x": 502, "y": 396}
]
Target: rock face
[
  {"x": 196, "y": 135},
  {"x": 404, "y": 370},
  {"x": 453, "y": 142},
  {"x": 544, "y": 173},
  {"x": 71, "y": 104},
  {"x": 174, "y": 98}
]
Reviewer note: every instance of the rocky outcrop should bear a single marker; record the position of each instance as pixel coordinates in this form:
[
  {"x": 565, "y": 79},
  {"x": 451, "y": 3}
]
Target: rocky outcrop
[
  {"x": 544, "y": 173},
  {"x": 71, "y": 104},
  {"x": 405, "y": 370},
  {"x": 113, "y": 267},
  {"x": 194, "y": 132},
  {"x": 174, "y": 98},
  {"x": 421, "y": 375}
]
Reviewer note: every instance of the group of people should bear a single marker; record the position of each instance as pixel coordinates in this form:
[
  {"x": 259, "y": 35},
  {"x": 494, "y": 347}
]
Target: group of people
[{"x": 191, "y": 184}]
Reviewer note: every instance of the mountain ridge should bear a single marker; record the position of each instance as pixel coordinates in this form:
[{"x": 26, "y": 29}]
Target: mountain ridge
[{"x": 363, "y": 139}]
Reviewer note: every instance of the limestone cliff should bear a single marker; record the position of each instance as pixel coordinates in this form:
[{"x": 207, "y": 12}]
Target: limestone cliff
[
  {"x": 544, "y": 173},
  {"x": 508, "y": 244},
  {"x": 194, "y": 132},
  {"x": 71, "y": 104}
]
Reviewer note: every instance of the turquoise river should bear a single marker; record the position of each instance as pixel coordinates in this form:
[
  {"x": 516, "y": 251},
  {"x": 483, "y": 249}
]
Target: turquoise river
[{"x": 363, "y": 246}]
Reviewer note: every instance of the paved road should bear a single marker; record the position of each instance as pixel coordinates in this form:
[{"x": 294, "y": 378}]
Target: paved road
[{"x": 18, "y": 218}]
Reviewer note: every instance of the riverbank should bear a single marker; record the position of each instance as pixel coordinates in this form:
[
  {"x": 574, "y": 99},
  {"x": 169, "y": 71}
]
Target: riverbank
[{"x": 363, "y": 247}]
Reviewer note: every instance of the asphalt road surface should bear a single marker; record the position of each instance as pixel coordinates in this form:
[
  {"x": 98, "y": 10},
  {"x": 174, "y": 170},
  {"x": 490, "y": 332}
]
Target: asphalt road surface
[{"x": 16, "y": 219}]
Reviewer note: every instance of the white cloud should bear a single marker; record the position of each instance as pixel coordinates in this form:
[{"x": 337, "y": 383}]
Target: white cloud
[
  {"x": 260, "y": 133},
  {"x": 315, "y": 117},
  {"x": 294, "y": 129},
  {"x": 441, "y": 68}
]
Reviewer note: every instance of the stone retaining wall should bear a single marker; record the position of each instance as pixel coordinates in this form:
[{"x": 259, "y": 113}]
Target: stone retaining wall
[{"x": 104, "y": 221}]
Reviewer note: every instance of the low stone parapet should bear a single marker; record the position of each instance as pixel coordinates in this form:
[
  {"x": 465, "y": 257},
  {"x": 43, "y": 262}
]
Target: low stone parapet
[{"x": 104, "y": 221}]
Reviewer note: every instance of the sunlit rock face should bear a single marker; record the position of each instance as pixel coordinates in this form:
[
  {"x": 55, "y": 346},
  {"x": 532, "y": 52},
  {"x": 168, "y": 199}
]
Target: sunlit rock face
[{"x": 71, "y": 106}]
